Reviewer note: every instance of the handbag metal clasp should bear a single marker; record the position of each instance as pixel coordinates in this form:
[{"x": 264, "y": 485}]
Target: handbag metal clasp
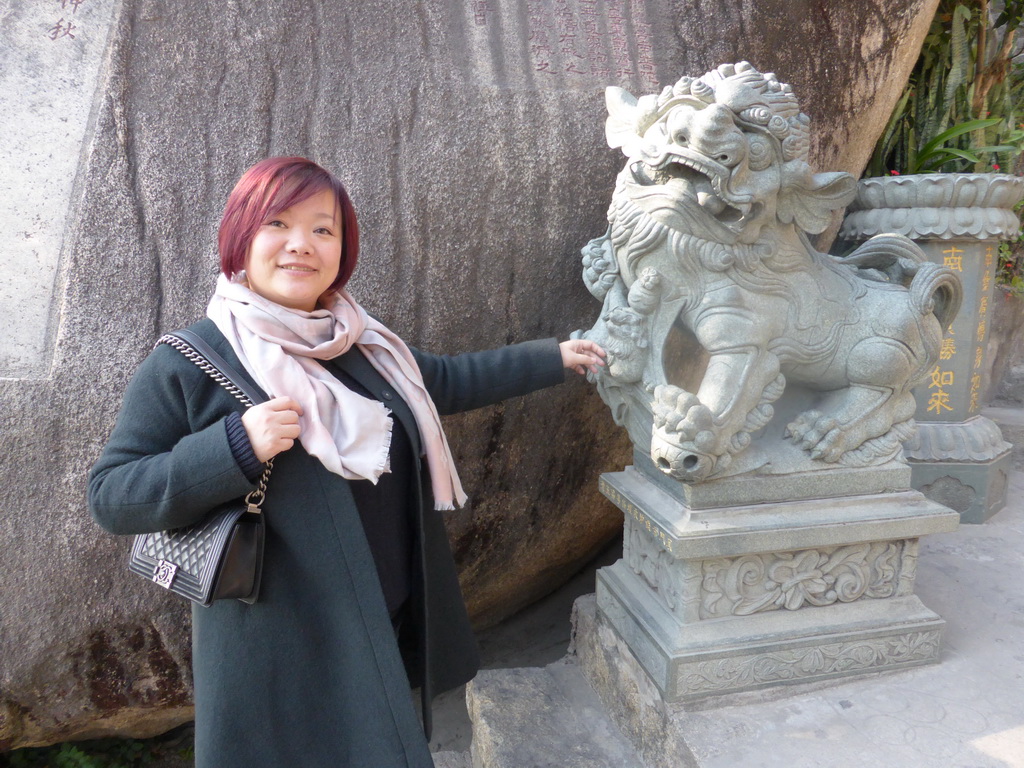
[{"x": 164, "y": 572}]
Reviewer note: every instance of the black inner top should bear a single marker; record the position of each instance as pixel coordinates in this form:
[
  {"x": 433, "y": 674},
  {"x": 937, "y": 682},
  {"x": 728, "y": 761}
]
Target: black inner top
[{"x": 385, "y": 507}]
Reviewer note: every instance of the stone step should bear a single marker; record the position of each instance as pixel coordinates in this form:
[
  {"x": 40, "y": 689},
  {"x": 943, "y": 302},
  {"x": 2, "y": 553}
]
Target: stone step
[
  {"x": 543, "y": 717},
  {"x": 449, "y": 759}
]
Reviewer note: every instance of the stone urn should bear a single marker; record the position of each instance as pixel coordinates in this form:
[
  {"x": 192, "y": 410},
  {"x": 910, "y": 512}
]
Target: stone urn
[{"x": 958, "y": 457}]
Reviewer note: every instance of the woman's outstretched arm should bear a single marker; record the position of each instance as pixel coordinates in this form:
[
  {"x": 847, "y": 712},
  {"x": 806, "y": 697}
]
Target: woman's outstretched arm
[{"x": 474, "y": 379}]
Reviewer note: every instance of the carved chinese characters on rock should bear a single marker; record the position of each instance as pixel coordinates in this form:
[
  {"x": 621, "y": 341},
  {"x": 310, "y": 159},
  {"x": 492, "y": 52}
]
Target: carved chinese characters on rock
[
  {"x": 938, "y": 394},
  {"x": 573, "y": 43},
  {"x": 64, "y": 27},
  {"x": 981, "y": 334}
]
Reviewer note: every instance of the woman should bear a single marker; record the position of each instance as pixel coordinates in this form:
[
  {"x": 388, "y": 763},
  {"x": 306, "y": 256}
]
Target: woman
[{"x": 357, "y": 559}]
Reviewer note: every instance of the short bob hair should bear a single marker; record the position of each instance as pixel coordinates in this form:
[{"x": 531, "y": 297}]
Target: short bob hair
[{"x": 270, "y": 187}]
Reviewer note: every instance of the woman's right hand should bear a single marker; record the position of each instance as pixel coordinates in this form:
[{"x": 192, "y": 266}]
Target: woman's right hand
[{"x": 272, "y": 426}]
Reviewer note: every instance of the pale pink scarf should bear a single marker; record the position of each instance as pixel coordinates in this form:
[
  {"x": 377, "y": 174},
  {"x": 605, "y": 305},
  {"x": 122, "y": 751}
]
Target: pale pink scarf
[{"x": 348, "y": 433}]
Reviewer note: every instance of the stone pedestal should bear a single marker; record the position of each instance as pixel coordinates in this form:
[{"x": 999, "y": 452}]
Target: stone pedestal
[
  {"x": 959, "y": 457},
  {"x": 732, "y": 598},
  {"x": 962, "y": 465}
]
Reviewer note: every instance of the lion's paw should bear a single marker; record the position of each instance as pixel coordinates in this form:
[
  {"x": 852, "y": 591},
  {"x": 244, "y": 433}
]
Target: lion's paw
[
  {"x": 600, "y": 270},
  {"x": 645, "y": 292},
  {"x": 680, "y": 413},
  {"x": 819, "y": 435}
]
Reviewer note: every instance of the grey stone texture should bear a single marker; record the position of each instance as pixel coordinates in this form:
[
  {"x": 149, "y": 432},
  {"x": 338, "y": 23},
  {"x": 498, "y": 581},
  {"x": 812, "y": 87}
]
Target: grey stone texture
[
  {"x": 477, "y": 172},
  {"x": 47, "y": 102},
  {"x": 450, "y": 759},
  {"x": 1005, "y": 354},
  {"x": 1011, "y": 426}
]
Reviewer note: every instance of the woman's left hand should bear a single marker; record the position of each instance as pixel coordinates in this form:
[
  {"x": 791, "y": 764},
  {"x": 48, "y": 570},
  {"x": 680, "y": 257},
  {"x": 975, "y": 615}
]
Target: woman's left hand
[{"x": 581, "y": 355}]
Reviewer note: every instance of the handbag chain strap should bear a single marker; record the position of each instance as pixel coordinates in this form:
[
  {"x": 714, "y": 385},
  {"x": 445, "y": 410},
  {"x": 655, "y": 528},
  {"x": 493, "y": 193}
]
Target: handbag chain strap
[
  {"x": 206, "y": 366},
  {"x": 253, "y": 499}
]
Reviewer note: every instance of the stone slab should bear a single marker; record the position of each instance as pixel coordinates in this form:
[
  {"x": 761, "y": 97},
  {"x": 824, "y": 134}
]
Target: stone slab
[
  {"x": 450, "y": 759},
  {"x": 961, "y": 713},
  {"x": 540, "y": 717},
  {"x": 757, "y": 488},
  {"x": 53, "y": 58},
  {"x": 780, "y": 526},
  {"x": 778, "y": 648},
  {"x": 976, "y": 490}
]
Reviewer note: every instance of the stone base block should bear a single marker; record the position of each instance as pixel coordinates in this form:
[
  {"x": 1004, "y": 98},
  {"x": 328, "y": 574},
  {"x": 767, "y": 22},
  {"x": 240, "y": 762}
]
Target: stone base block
[
  {"x": 975, "y": 489},
  {"x": 629, "y": 697},
  {"x": 449, "y": 759},
  {"x": 537, "y": 717},
  {"x": 763, "y": 488},
  {"x": 729, "y": 599},
  {"x": 751, "y": 652}
]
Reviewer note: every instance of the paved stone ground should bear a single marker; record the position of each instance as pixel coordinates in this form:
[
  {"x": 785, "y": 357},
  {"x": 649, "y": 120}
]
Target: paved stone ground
[{"x": 966, "y": 712}]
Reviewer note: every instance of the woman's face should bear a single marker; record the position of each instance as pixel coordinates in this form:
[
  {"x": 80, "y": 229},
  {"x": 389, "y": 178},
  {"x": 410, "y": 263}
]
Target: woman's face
[{"x": 296, "y": 254}]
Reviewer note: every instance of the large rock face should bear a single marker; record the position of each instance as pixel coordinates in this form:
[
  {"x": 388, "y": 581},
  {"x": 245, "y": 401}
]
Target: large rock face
[{"x": 466, "y": 133}]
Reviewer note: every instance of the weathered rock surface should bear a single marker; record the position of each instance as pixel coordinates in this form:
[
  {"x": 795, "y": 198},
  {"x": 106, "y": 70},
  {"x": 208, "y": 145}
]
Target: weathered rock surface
[{"x": 469, "y": 150}]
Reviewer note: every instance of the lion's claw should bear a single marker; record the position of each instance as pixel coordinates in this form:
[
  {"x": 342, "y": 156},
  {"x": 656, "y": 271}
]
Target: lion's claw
[
  {"x": 819, "y": 435},
  {"x": 681, "y": 414}
]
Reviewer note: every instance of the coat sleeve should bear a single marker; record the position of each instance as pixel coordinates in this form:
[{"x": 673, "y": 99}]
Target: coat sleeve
[
  {"x": 156, "y": 472},
  {"x": 475, "y": 379}
]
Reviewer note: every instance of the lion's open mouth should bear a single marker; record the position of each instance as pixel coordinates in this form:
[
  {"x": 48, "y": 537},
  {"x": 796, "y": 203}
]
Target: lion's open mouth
[{"x": 699, "y": 182}]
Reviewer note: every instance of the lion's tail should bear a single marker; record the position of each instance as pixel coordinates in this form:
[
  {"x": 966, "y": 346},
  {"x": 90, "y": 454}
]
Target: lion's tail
[{"x": 936, "y": 289}]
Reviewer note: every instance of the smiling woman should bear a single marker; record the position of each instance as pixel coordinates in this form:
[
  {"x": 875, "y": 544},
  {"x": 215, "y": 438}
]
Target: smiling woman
[
  {"x": 359, "y": 594},
  {"x": 295, "y": 255}
]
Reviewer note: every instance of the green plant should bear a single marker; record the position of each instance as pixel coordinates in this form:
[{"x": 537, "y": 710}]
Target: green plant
[
  {"x": 1010, "y": 271},
  {"x": 172, "y": 749},
  {"x": 958, "y": 111}
]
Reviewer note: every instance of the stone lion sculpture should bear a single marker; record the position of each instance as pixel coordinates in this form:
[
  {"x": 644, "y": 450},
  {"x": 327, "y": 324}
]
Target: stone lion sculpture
[{"x": 706, "y": 268}]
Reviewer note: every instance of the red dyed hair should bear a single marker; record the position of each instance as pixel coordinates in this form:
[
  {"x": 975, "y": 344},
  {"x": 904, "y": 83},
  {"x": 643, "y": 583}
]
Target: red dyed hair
[{"x": 270, "y": 187}]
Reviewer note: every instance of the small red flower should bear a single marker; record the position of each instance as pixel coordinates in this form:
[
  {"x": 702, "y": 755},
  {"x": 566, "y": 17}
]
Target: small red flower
[
  {"x": 894, "y": 173},
  {"x": 995, "y": 166}
]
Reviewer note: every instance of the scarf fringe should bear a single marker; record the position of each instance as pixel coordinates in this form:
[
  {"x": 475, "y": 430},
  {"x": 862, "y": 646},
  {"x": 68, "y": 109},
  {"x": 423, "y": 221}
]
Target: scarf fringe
[{"x": 384, "y": 462}]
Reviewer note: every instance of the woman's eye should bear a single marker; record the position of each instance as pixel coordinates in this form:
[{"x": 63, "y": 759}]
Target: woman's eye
[
  {"x": 275, "y": 223},
  {"x": 324, "y": 231}
]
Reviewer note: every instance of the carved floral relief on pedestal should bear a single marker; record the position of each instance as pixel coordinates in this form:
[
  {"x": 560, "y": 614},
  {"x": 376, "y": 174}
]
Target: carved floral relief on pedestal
[
  {"x": 750, "y": 584},
  {"x": 695, "y": 590},
  {"x": 803, "y": 663}
]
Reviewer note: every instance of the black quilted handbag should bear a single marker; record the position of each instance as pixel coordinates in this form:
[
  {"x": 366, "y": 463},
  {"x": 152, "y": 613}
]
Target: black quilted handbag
[{"x": 222, "y": 556}]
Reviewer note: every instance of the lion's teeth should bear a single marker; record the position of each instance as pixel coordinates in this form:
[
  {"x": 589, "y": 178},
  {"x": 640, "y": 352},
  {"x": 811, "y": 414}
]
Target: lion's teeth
[{"x": 711, "y": 202}]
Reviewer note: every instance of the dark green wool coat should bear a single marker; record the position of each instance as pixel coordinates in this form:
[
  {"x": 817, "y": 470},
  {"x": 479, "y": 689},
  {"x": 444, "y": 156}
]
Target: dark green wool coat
[{"x": 310, "y": 675}]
